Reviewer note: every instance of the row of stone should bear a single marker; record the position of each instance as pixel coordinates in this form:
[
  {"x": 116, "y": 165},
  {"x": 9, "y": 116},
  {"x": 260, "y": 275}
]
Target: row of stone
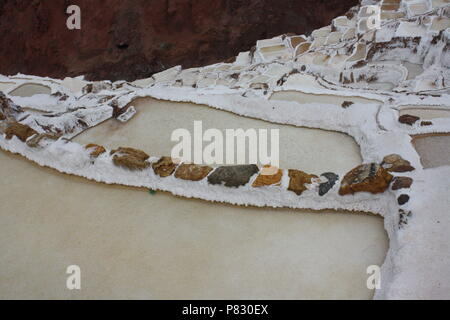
[
  {"x": 373, "y": 177},
  {"x": 410, "y": 120}
]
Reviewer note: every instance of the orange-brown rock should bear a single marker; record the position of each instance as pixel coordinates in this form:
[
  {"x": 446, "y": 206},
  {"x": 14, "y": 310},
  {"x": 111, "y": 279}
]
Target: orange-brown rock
[
  {"x": 132, "y": 152},
  {"x": 132, "y": 159},
  {"x": 192, "y": 172},
  {"x": 299, "y": 180},
  {"x": 21, "y": 131},
  {"x": 268, "y": 176},
  {"x": 96, "y": 150},
  {"x": 164, "y": 167},
  {"x": 371, "y": 178}
]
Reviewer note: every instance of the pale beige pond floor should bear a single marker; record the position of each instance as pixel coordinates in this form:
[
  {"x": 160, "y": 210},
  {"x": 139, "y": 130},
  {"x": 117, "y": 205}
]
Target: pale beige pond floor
[
  {"x": 30, "y": 89},
  {"x": 130, "y": 244},
  {"x": 433, "y": 149},
  {"x": 426, "y": 112}
]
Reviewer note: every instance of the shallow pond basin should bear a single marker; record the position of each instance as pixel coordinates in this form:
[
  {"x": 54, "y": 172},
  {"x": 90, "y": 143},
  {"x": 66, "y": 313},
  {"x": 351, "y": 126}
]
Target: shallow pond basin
[
  {"x": 134, "y": 245},
  {"x": 310, "y": 150},
  {"x": 30, "y": 89},
  {"x": 433, "y": 149}
]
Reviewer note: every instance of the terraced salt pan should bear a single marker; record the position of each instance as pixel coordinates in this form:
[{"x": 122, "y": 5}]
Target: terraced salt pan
[
  {"x": 5, "y": 86},
  {"x": 304, "y": 98},
  {"x": 433, "y": 149},
  {"x": 439, "y": 3},
  {"x": 30, "y": 89},
  {"x": 130, "y": 244},
  {"x": 414, "y": 69},
  {"x": 311, "y": 150},
  {"x": 440, "y": 24},
  {"x": 425, "y": 112}
]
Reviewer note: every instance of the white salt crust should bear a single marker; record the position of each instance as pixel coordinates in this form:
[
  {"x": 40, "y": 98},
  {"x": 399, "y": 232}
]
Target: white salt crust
[{"x": 417, "y": 265}]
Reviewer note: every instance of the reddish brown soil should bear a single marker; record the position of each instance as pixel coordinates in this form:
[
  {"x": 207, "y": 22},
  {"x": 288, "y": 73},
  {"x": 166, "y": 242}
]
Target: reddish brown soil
[{"x": 129, "y": 39}]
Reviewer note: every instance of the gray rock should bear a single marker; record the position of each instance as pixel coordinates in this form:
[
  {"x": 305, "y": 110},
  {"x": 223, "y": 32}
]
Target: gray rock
[
  {"x": 404, "y": 198},
  {"x": 233, "y": 176},
  {"x": 404, "y": 217},
  {"x": 327, "y": 186}
]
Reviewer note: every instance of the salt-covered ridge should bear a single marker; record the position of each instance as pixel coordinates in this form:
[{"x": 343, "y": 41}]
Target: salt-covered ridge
[{"x": 340, "y": 60}]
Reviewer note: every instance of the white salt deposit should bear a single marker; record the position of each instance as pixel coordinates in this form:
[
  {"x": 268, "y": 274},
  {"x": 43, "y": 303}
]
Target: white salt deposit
[{"x": 372, "y": 120}]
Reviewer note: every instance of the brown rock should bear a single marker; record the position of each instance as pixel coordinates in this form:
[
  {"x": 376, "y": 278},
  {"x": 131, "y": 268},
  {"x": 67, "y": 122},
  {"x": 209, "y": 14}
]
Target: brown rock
[
  {"x": 346, "y": 104},
  {"x": 395, "y": 163},
  {"x": 298, "y": 181},
  {"x": 8, "y": 110},
  {"x": 408, "y": 119},
  {"x": 192, "y": 172},
  {"x": 401, "y": 183},
  {"x": 426, "y": 123},
  {"x": 164, "y": 167},
  {"x": 96, "y": 150},
  {"x": 129, "y": 158},
  {"x": 371, "y": 178},
  {"x": 21, "y": 131},
  {"x": 269, "y": 176}
]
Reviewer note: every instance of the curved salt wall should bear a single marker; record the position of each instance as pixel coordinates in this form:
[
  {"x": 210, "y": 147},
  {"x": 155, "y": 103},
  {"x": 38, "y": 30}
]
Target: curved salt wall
[
  {"x": 30, "y": 89},
  {"x": 131, "y": 244}
]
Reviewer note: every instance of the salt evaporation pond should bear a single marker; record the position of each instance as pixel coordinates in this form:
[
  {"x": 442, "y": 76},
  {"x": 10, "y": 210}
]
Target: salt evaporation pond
[
  {"x": 131, "y": 244},
  {"x": 310, "y": 150},
  {"x": 30, "y": 89},
  {"x": 425, "y": 112},
  {"x": 433, "y": 149}
]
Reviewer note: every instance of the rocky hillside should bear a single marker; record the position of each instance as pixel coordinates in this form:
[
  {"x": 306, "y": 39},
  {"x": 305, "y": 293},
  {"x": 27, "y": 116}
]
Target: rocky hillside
[{"x": 130, "y": 39}]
